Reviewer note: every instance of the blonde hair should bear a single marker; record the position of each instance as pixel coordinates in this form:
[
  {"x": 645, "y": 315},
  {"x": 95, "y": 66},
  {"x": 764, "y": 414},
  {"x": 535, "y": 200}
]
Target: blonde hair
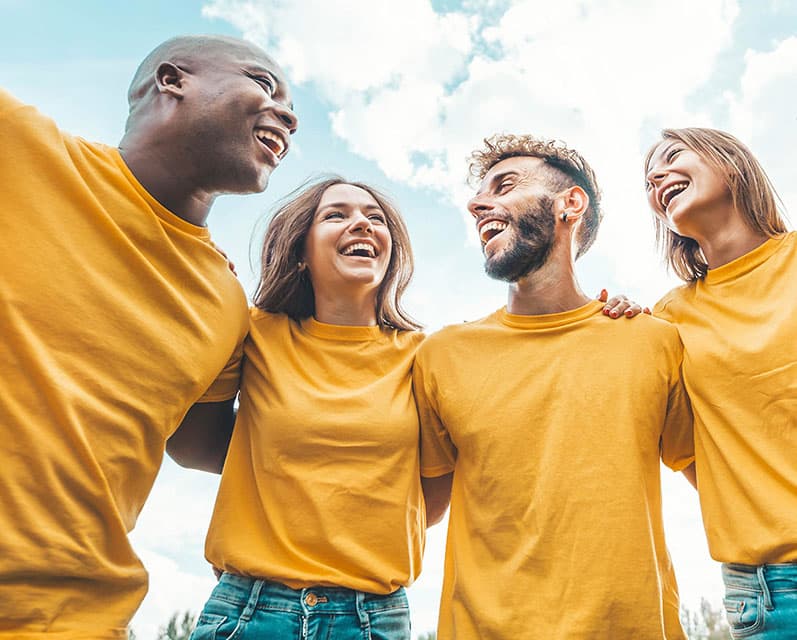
[
  {"x": 570, "y": 167},
  {"x": 285, "y": 287},
  {"x": 752, "y": 194}
]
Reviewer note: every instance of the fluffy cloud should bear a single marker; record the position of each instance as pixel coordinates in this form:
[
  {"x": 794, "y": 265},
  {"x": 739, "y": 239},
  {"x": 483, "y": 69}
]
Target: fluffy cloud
[
  {"x": 764, "y": 115},
  {"x": 414, "y": 90}
]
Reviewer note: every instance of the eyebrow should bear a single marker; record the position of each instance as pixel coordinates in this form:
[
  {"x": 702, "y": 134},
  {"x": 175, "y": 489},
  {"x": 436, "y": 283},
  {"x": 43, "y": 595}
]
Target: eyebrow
[
  {"x": 662, "y": 153},
  {"x": 498, "y": 178},
  {"x": 345, "y": 205}
]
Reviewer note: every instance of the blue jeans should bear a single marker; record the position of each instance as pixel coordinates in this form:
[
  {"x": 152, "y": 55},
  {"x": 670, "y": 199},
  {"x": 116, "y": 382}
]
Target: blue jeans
[
  {"x": 251, "y": 609},
  {"x": 761, "y": 602}
]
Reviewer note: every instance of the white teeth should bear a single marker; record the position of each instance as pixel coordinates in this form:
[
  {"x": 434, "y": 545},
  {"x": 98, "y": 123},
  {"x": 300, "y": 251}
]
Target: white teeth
[
  {"x": 277, "y": 146},
  {"x": 672, "y": 189},
  {"x": 493, "y": 225},
  {"x": 359, "y": 246}
]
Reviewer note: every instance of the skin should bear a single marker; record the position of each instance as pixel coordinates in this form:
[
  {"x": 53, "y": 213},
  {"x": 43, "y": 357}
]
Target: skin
[
  {"x": 704, "y": 211},
  {"x": 192, "y": 131},
  {"x": 346, "y": 286}
]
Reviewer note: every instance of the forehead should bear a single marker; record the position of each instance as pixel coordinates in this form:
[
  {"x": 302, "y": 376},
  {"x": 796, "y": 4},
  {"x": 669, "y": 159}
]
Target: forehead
[
  {"x": 524, "y": 166},
  {"x": 347, "y": 195}
]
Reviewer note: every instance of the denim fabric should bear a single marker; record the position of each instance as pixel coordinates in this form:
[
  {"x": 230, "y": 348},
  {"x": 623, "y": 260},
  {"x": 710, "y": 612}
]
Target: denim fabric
[
  {"x": 761, "y": 602},
  {"x": 250, "y": 609}
]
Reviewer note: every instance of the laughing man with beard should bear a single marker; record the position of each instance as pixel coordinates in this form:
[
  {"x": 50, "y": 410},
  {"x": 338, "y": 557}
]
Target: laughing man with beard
[{"x": 549, "y": 421}]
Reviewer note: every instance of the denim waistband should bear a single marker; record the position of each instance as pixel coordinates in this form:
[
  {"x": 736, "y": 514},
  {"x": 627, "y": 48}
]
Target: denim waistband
[
  {"x": 764, "y": 578},
  {"x": 267, "y": 594}
]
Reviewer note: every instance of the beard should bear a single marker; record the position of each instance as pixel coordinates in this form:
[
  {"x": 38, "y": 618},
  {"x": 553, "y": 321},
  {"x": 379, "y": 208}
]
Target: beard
[{"x": 532, "y": 243}]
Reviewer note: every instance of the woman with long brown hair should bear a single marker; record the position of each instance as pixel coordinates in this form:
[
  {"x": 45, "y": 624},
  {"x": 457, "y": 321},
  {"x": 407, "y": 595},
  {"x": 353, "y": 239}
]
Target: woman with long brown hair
[
  {"x": 319, "y": 523},
  {"x": 720, "y": 230}
]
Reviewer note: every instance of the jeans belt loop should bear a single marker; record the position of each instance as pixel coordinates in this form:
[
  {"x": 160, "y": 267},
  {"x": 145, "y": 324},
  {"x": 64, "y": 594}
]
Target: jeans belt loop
[
  {"x": 762, "y": 580},
  {"x": 362, "y": 614},
  {"x": 254, "y": 596}
]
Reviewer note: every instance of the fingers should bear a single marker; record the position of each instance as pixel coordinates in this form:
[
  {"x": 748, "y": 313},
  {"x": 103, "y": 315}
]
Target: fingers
[{"x": 603, "y": 295}]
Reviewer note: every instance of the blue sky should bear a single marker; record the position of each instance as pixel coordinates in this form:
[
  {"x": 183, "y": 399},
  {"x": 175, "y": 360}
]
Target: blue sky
[{"x": 397, "y": 94}]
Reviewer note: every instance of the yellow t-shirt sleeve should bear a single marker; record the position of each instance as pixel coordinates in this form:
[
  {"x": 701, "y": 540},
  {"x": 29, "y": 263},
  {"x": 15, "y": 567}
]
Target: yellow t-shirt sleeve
[
  {"x": 677, "y": 437},
  {"x": 227, "y": 383},
  {"x": 438, "y": 453}
]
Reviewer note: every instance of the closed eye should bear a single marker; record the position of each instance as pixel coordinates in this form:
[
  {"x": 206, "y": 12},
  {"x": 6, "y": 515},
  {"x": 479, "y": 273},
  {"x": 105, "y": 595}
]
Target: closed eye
[
  {"x": 333, "y": 215},
  {"x": 266, "y": 82},
  {"x": 505, "y": 186},
  {"x": 672, "y": 153},
  {"x": 377, "y": 217}
]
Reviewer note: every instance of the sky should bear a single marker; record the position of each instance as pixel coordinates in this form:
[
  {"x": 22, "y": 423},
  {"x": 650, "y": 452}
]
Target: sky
[{"x": 397, "y": 95}]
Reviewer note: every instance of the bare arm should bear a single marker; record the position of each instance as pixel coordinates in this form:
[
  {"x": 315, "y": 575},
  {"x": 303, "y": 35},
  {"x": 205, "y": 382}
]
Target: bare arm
[
  {"x": 203, "y": 436},
  {"x": 437, "y": 495},
  {"x": 690, "y": 473}
]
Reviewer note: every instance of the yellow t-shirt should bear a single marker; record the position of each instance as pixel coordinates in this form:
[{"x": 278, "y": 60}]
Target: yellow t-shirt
[
  {"x": 739, "y": 329},
  {"x": 554, "y": 426},
  {"x": 116, "y": 316},
  {"x": 322, "y": 483}
]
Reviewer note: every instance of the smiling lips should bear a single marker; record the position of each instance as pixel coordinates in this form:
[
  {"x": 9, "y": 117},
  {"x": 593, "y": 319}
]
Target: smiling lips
[
  {"x": 670, "y": 192},
  {"x": 489, "y": 230},
  {"x": 361, "y": 250},
  {"x": 274, "y": 141}
]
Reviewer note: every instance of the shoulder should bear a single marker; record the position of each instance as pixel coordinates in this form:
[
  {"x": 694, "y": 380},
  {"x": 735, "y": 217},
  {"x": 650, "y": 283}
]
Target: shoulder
[
  {"x": 667, "y": 307},
  {"x": 264, "y": 320},
  {"x": 443, "y": 340}
]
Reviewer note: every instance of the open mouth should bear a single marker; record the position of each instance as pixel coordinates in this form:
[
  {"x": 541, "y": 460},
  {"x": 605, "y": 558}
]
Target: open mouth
[
  {"x": 670, "y": 192},
  {"x": 360, "y": 250},
  {"x": 273, "y": 141},
  {"x": 490, "y": 229}
]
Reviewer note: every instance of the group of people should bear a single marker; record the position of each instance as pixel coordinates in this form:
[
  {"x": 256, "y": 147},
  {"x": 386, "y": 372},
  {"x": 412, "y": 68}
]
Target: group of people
[{"x": 542, "y": 425}]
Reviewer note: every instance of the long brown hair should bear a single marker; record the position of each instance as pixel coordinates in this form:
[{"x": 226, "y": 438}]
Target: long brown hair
[
  {"x": 752, "y": 194},
  {"x": 285, "y": 287}
]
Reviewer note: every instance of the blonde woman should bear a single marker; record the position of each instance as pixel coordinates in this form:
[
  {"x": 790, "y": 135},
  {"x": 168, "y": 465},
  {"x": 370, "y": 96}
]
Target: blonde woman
[{"x": 720, "y": 229}]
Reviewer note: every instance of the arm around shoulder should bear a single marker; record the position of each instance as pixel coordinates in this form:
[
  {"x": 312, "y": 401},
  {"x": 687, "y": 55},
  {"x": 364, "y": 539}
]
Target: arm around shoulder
[{"x": 202, "y": 439}]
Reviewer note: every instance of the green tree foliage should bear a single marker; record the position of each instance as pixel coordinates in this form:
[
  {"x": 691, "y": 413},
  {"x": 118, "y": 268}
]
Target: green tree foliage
[
  {"x": 178, "y": 628},
  {"x": 431, "y": 635},
  {"x": 707, "y": 623}
]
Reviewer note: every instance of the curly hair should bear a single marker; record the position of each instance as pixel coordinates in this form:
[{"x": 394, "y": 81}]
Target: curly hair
[
  {"x": 567, "y": 166},
  {"x": 751, "y": 191},
  {"x": 285, "y": 288}
]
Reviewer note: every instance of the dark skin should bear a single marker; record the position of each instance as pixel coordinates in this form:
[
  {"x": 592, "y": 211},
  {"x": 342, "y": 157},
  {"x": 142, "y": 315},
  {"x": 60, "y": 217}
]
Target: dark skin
[{"x": 193, "y": 130}]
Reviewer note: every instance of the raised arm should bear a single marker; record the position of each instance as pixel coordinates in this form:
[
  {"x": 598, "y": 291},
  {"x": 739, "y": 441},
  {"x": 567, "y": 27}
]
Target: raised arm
[{"x": 201, "y": 440}]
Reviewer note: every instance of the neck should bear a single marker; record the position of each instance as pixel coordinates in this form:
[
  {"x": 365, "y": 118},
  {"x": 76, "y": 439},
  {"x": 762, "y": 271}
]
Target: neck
[
  {"x": 165, "y": 179},
  {"x": 551, "y": 289},
  {"x": 728, "y": 241},
  {"x": 347, "y": 310}
]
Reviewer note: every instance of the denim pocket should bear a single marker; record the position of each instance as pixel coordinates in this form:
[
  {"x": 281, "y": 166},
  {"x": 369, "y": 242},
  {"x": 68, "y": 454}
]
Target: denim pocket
[
  {"x": 390, "y": 624},
  {"x": 745, "y": 612},
  {"x": 207, "y": 626}
]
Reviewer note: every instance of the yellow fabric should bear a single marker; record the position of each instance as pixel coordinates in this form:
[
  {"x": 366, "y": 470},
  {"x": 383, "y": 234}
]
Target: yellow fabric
[
  {"x": 322, "y": 483},
  {"x": 116, "y": 316},
  {"x": 739, "y": 329},
  {"x": 554, "y": 426}
]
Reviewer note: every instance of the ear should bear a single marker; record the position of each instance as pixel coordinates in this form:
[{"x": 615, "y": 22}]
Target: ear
[
  {"x": 170, "y": 79},
  {"x": 575, "y": 201}
]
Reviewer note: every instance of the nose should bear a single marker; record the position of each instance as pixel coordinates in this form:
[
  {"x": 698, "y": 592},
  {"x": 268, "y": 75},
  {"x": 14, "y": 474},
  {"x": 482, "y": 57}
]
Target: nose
[
  {"x": 479, "y": 205},
  {"x": 655, "y": 175},
  {"x": 361, "y": 222},
  {"x": 288, "y": 117}
]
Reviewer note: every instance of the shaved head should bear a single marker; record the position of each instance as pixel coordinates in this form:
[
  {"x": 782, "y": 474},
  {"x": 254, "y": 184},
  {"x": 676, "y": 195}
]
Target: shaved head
[{"x": 188, "y": 51}]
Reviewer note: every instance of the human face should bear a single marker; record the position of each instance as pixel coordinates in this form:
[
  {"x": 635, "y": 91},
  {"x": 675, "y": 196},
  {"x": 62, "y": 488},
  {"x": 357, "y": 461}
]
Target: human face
[
  {"x": 241, "y": 120},
  {"x": 348, "y": 245},
  {"x": 514, "y": 216},
  {"x": 682, "y": 187}
]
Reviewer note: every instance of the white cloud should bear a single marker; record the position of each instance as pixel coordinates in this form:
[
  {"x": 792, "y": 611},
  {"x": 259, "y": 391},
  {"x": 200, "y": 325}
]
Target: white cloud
[
  {"x": 415, "y": 91},
  {"x": 764, "y": 114}
]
